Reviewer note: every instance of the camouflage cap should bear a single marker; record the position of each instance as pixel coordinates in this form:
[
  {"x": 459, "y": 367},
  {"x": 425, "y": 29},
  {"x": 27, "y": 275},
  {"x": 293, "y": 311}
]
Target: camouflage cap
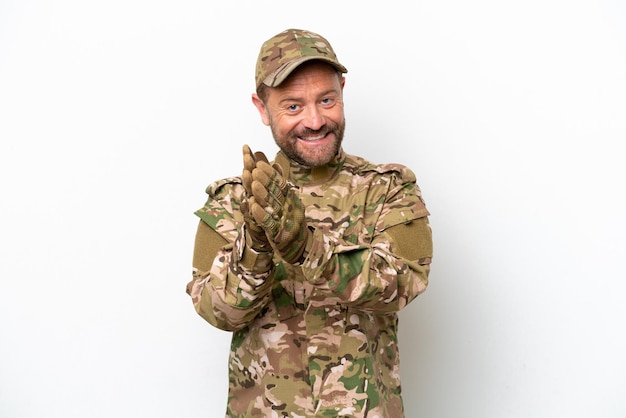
[{"x": 283, "y": 53}]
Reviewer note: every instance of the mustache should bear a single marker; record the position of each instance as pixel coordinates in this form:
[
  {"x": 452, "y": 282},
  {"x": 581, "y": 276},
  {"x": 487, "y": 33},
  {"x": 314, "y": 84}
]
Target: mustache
[{"x": 324, "y": 130}]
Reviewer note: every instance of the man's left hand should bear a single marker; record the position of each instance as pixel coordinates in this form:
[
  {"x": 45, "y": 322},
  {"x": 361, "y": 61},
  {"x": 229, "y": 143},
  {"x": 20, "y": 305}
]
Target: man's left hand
[{"x": 278, "y": 210}]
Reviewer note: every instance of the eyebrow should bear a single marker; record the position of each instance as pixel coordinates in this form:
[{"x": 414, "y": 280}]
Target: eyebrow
[{"x": 328, "y": 92}]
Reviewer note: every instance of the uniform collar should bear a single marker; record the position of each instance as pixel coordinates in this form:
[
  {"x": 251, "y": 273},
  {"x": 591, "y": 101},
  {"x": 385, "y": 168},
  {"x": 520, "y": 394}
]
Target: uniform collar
[{"x": 301, "y": 174}]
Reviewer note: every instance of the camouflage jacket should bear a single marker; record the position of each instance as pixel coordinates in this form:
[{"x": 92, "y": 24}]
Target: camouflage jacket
[{"x": 319, "y": 339}]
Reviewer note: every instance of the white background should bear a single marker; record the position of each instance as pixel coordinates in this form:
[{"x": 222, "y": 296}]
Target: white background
[{"x": 115, "y": 115}]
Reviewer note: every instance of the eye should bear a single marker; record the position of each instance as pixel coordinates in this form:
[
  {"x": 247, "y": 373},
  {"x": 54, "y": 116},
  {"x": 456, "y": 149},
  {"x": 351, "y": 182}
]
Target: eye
[
  {"x": 293, "y": 107},
  {"x": 328, "y": 101}
]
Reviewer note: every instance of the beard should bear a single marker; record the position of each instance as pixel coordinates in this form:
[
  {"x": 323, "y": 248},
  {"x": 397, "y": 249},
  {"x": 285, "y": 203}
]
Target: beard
[{"x": 311, "y": 156}]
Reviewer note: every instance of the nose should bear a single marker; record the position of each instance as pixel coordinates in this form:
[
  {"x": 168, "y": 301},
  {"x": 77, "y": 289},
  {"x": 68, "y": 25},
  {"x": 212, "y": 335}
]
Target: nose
[{"x": 313, "y": 118}]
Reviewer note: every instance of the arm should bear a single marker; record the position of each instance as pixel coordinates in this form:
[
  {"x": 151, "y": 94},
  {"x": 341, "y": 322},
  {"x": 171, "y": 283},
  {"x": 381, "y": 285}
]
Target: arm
[
  {"x": 381, "y": 274},
  {"x": 231, "y": 281}
]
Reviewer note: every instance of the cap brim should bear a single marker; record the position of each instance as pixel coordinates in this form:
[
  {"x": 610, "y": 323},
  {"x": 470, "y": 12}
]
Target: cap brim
[{"x": 277, "y": 77}]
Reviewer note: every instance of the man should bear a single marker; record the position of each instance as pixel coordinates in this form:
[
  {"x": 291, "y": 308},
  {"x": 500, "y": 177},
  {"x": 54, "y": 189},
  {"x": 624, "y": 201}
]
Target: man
[{"x": 308, "y": 259}]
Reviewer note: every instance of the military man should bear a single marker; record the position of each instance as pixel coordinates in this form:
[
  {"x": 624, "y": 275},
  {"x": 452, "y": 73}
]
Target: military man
[{"x": 308, "y": 259}]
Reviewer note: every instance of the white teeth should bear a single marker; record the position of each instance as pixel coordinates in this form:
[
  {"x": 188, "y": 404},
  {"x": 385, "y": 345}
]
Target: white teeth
[{"x": 315, "y": 138}]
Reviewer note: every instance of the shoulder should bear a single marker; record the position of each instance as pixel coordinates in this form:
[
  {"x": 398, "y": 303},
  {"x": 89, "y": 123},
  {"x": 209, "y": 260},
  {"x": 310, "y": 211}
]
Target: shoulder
[
  {"x": 221, "y": 209},
  {"x": 226, "y": 186},
  {"x": 360, "y": 166},
  {"x": 393, "y": 187}
]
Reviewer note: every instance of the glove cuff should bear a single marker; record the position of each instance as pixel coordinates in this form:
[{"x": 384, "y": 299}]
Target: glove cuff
[
  {"x": 256, "y": 239},
  {"x": 297, "y": 252}
]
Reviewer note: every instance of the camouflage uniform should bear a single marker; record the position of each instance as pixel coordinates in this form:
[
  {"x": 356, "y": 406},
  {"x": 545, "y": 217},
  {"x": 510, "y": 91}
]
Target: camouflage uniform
[{"x": 317, "y": 339}]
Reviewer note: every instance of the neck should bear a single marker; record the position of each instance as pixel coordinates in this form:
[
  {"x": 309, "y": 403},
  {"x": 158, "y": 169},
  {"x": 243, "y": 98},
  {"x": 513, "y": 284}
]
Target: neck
[{"x": 300, "y": 174}]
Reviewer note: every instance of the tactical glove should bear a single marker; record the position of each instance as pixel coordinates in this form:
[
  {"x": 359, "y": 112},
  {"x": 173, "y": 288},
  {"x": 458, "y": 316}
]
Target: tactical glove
[
  {"x": 278, "y": 210},
  {"x": 255, "y": 236}
]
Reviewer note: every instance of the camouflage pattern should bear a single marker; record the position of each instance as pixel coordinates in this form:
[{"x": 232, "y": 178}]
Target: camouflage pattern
[
  {"x": 282, "y": 53},
  {"x": 318, "y": 339}
]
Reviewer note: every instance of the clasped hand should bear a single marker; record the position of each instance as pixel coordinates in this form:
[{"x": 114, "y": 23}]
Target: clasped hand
[{"x": 274, "y": 207}]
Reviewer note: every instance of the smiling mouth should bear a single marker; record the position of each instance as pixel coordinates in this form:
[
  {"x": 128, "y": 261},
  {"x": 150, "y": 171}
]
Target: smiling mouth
[{"x": 312, "y": 138}]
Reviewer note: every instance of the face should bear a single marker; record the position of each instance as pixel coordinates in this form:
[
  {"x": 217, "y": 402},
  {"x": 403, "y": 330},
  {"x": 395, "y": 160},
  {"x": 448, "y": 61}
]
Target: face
[{"x": 305, "y": 113}]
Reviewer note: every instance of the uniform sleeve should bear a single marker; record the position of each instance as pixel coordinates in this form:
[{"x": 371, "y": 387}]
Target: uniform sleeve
[
  {"x": 231, "y": 283},
  {"x": 390, "y": 269}
]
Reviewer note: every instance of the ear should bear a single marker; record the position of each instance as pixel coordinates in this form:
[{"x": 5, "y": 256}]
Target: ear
[{"x": 260, "y": 106}]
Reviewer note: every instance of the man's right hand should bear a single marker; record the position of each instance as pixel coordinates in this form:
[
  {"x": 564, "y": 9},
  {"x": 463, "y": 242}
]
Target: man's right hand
[{"x": 255, "y": 236}]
